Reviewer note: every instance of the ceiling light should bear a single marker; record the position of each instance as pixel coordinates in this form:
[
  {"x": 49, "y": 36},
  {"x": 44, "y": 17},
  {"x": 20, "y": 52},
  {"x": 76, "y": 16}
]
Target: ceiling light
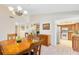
[
  {"x": 11, "y": 8},
  {"x": 25, "y": 12},
  {"x": 18, "y": 11},
  {"x": 19, "y": 8}
]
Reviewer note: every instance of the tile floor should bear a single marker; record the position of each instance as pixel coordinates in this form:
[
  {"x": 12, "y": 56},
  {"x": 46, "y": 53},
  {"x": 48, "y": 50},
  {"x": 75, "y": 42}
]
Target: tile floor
[{"x": 64, "y": 48}]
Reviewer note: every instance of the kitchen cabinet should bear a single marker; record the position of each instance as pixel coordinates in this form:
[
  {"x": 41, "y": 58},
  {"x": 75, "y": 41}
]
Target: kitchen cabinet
[
  {"x": 75, "y": 43},
  {"x": 70, "y": 35}
]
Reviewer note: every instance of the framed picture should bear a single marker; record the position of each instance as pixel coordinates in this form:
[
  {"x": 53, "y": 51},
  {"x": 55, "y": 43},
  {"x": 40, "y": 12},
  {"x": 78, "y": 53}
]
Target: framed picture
[
  {"x": 46, "y": 26},
  {"x": 22, "y": 27}
]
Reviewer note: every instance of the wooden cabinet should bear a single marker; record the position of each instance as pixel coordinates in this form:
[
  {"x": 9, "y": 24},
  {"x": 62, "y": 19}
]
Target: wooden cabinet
[
  {"x": 46, "y": 39},
  {"x": 75, "y": 43},
  {"x": 70, "y": 35},
  {"x": 71, "y": 29},
  {"x": 77, "y": 26}
]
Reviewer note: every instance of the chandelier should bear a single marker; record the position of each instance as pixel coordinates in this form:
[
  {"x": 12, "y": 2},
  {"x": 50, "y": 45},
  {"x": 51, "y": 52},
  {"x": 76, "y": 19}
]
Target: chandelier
[{"x": 17, "y": 11}]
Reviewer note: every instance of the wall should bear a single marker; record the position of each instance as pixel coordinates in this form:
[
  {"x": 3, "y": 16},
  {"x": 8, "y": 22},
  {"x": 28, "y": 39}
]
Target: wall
[
  {"x": 67, "y": 20},
  {"x": 7, "y": 24}
]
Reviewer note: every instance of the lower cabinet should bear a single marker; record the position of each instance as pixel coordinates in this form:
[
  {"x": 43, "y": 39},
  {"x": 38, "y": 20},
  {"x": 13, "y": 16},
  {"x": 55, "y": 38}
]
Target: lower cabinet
[
  {"x": 75, "y": 43},
  {"x": 46, "y": 38}
]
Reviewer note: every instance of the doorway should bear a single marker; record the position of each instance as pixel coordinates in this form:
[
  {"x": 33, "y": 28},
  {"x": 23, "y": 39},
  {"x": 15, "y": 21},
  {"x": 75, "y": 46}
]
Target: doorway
[{"x": 63, "y": 35}]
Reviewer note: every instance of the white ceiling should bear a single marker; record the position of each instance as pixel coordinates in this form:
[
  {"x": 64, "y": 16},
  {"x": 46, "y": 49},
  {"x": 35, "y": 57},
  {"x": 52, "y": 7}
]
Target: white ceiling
[{"x": 47, "y": 8}]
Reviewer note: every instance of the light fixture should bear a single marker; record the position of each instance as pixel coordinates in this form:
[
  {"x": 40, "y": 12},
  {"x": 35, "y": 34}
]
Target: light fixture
[{"x": 17, "y": 11}]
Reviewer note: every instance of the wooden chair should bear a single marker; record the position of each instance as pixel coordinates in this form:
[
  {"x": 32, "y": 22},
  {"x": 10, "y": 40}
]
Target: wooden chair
[
  {"x": 36, "y": 48},
  {"x": 0, "y": 50},
  {"x": 11, "y": 36}
]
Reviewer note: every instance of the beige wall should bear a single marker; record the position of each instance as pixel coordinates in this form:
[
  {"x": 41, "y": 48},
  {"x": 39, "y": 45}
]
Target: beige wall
[{"x": 7, "y": 24}]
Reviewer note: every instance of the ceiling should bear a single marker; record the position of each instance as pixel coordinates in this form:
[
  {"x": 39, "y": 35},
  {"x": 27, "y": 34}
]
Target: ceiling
[{"x": 47, "y": 8}]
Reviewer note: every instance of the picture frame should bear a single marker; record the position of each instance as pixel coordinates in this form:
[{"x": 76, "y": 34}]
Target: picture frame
[
  {"x": 22, "y": 27},
  {"x": 46, "y": 26}
]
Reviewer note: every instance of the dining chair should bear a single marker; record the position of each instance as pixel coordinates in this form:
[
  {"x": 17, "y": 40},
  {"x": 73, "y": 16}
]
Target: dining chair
[
  {"x": 11, "y": 36},
  {"x": 37, "y": 46},
  {"x": 0, "y": 49},
  {"x": 37, "y": 50}
]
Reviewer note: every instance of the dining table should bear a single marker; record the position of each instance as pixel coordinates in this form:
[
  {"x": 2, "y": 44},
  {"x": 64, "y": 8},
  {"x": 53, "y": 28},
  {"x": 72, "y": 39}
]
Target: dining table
[{"x": 11, "y": 47}]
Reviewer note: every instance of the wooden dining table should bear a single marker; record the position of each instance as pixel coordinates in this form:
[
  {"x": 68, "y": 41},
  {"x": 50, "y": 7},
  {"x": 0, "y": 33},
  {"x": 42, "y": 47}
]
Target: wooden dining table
[{"x": 11, "y": 47}]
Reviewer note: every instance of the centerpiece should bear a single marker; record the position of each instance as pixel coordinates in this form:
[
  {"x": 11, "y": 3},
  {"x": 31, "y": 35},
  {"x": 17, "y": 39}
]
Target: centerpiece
[{"x": 18, "y": 39}]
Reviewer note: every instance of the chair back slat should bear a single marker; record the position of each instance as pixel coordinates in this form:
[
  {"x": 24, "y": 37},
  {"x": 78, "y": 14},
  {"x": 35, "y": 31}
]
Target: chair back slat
[{"x": 11, "y": 36}]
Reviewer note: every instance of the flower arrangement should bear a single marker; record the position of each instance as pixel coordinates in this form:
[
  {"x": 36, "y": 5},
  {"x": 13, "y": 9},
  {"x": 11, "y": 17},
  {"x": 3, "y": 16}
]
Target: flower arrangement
[{"x": 18, "y": 39}]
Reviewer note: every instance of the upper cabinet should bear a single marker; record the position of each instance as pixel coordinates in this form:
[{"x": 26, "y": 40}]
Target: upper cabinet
[{"x": 77, "y": 26}]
